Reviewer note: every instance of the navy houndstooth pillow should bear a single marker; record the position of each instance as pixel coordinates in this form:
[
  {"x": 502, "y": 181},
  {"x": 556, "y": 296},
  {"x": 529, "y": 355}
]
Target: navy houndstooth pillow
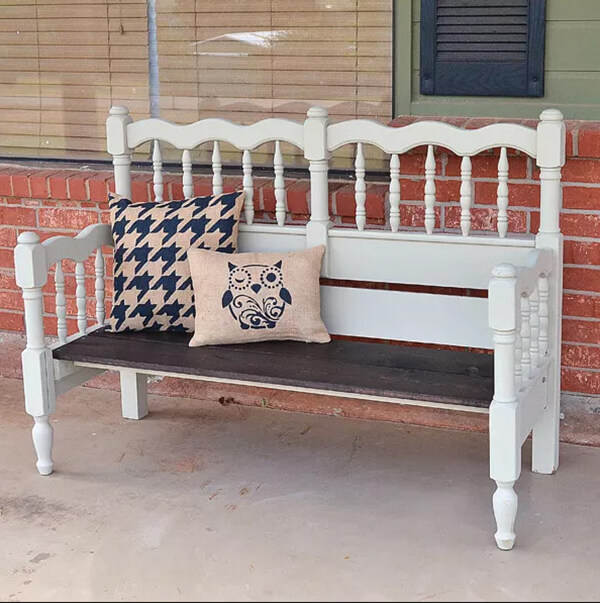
[{"x": 152, "y": 283}]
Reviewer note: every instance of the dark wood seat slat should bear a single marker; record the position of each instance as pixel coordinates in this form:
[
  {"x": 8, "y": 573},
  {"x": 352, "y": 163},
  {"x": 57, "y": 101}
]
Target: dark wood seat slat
[{"x": 366, "y": 369}]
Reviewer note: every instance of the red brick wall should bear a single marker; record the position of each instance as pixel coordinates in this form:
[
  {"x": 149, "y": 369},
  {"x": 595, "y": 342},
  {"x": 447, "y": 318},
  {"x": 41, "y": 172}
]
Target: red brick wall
[{"x": 58, "y": 201}]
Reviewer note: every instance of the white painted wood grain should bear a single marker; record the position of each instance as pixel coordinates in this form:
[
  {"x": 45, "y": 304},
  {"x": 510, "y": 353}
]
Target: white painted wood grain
[
  {"x": 406, "y": 316},
  {"x": 419, "y": 259},
  {"x": 457, "y": 140},
  {"x": 157, "y": 175},
  {"x": 207, "y": 130}
]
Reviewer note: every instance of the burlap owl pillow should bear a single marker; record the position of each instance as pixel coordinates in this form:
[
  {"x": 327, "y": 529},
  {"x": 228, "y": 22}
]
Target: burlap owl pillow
[
  {"x": 249, "y": 297},
  {"x": 152, "y": 284}
]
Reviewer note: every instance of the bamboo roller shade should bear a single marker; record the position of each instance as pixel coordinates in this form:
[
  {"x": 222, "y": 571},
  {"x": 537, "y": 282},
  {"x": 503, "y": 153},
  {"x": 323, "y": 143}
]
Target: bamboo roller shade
[
  {"x": 65, "y": 62},
  {"x": 251, "y": 59}
]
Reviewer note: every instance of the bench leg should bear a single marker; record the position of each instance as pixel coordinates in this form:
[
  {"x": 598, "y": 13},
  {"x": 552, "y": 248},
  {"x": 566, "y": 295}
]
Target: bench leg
[
  {"x": 505, "y": 468},
  {"x": 40, "y": 403},
  {"x": 134, "y": 394},
  {"x": 505, "y": 502},
  {"x": 43, "y": 438}
]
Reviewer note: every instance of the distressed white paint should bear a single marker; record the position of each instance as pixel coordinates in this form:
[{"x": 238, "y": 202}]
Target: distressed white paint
[
  {"x": 505, "y": 449},
  {"x": 360, "y": 188},
  {"x": 31, "y": 271},
  {"x": 206, "y": 130},
  {"x": 188, "y": 182},
  {"x": 263, "y": 237},
  {"x": 406, "y": 316},
  {"x": 61, "y": 304},
  {"x": 457, "y": 140},
  {"x": 77, "y": 248},
  {"x": 538, "y": 262},
  {"x": 519, "y": 266},
  {"x": 429, "y": 190},
  {"x": 43, "y": 438},
  {"x": 505, "y": 503},
  {"x": 383, "y": 256},
  {"x": 217, "y": 169},
  {"x": 157, "y": 174},
  {"x": 78, "y": 376},
  {"x": 502, "y": 193},
  {"x": 316, "y": 152},
  {"x": 117, "y": 144},
  {"x": 534, "y": 322},
  {"x": 99, "y": 286},
  {"x": 532, "y": 402},
  {"x": 551, "y": 146},
  {"x": 466, "y": 195},
  {"x": 543, "y": 315},
  {"x": 394, "y": 195},
  {"x": 248, "y": 184},
  {"x": 80, "y": 297},
  {"x": 134, "y": 394},
  {"x": 518, "y": 358},
  {"x": 525, "y": 340},
  {"x": 279, "y": 185}
]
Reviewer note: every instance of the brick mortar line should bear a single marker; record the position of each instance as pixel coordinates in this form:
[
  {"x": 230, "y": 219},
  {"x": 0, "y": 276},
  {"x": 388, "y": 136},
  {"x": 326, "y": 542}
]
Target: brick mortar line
[
  {"x": 579, "y": 212},
  {"x": 585, "y": 266},
  {"x": 582, "y": 292},
  {"x": 578, "y": 239},
  {"x": 580, "y": 369}
]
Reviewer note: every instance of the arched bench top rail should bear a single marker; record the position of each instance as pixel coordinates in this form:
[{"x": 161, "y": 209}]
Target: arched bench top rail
[
  {"x": 462, "y": 142},
  {"x": 191, "y": 136},
  {"x": 79, "y": 247}
]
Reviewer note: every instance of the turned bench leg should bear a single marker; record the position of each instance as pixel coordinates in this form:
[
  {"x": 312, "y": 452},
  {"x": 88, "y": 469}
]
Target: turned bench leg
[
  {"x": 505, "y": 502},
  {"x": 134, "y": 394},
  {"x": 505, "y": 468},
  {"x": 43, "y": 438},
  {"x": 40, "y": 403}
]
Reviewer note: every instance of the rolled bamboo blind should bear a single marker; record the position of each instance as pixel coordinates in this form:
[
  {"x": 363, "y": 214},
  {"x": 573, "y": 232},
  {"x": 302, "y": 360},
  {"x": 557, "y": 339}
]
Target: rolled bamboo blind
[
  {"x": 251, "y": 59},
  {"x": 63, "y": 63}
]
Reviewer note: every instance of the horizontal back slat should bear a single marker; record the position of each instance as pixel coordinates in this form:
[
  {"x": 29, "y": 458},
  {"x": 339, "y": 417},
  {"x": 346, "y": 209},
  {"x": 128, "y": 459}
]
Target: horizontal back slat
[
  {"x": 402, "y": 258},
  {"x": 192, "y": 135},
  {"x": 407, "y": 316},
  {"x": 459, "y": 141},
  {"x": 439, "y": 260},
  {"x": 259, "y": 237}
]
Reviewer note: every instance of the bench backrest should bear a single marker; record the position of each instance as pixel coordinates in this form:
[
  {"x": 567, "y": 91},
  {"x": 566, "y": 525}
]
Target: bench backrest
[{"x": 358, "y": 256}]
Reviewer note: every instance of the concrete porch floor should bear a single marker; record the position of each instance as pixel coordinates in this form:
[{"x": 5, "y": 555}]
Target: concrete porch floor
[{"x": 204, "y": 502}]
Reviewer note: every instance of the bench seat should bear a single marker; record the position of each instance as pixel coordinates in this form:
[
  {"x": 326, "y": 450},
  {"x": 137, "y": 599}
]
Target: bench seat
[{"x": 369, "y": 370}]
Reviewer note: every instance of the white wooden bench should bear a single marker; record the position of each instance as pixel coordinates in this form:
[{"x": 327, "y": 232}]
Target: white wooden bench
[{"x": 520, "y": 320}]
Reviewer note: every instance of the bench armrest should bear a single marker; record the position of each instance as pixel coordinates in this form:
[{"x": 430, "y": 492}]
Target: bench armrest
[
  {"x": 518, "y": 315},
  {"x": 33, "y": 261}
]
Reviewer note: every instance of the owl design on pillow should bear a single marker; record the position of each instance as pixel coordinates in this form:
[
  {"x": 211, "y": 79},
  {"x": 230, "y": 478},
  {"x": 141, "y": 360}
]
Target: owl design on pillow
[{"x": 256, "y": 296}]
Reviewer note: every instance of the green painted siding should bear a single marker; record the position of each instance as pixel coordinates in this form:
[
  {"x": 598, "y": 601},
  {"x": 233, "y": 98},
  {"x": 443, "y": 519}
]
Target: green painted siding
[{"x": 572, "y": 68}]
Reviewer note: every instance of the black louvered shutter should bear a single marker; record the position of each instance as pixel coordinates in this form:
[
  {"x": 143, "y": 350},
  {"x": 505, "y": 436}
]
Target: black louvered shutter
[{"x": 483, "y": 47}]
